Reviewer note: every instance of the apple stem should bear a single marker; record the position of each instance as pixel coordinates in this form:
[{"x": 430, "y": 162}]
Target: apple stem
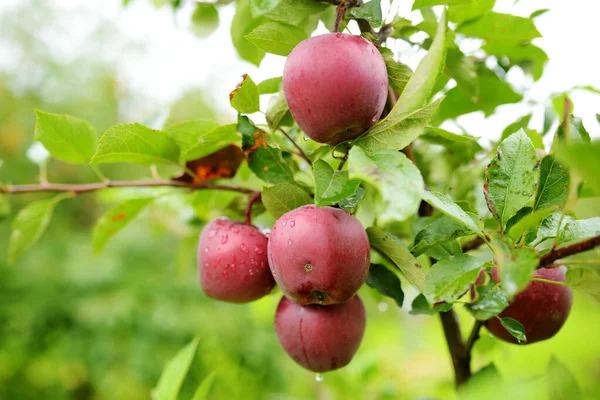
[
  {"x": 253, "y": 199},
  {"x": 341, "y": 10},
  {"x": 549, "y": 281}
]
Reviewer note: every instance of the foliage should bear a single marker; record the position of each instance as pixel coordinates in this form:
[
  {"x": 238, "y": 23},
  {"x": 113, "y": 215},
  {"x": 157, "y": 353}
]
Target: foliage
[{"x": 533, "y": 190}]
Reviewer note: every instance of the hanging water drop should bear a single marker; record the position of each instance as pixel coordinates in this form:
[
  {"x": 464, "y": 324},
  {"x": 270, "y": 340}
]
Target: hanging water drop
[
  {"x": 319, "y": 377},
  {"x": 305, "y": 138}
]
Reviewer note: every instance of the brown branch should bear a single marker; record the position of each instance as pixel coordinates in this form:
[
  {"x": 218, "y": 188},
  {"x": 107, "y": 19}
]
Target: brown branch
[
  {"x": 472, "y": 338},
  {"x": 566, "y": 251},
  {"x": 91, "y": 187},
  {"x": 473, "y": 244},
  {"x": 461, "y": 359},
  {"x": 248, "y": 213},
  {"x": 301, "y": 152}
]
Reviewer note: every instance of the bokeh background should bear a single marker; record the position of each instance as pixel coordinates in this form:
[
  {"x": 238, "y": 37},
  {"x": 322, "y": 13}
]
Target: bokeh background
[{"x": 75, "y": 325}]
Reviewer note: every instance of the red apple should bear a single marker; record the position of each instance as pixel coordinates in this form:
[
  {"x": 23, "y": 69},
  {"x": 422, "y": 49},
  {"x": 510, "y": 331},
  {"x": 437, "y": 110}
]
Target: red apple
[
  {"x": 232, "y": 262},
  {"x": 542, "y": 308},
  {"x": 336, "y": 86},
  {"x": 319, "y": 255},
  {"x": 320, "y": 338}
]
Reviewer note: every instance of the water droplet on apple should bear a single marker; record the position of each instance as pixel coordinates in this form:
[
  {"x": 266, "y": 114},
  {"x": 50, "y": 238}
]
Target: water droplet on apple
[{"x": 224, "y": 239}]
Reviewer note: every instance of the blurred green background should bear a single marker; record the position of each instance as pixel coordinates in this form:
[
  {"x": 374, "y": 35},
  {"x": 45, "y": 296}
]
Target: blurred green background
[{"x": 74, "y": 325}]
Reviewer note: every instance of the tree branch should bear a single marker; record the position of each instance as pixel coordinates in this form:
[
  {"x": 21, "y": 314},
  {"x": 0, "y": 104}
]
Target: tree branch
[
  {"x": 473, "y": 338},
  {"x": 91, "y": 187},
  {"x": 473, "y": 244},
  {"x": 461, "y": 359},
  {"x": 561, "y": 252},
  {"x": 301, "y": 152}
]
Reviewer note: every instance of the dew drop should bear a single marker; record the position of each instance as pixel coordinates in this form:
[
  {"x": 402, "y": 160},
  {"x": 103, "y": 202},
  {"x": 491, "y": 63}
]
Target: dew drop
[
  {"x": 292, "y": 223},
  {"x": 212, "y": 233},
  {"x": 319, "y": 377},
  {"x": 243, "y": 248},
  {"x": 206, "y": 249},
  {"x": 305, "y": 138},
  {"x": 383, "y": 306},
  {"x": 284, "y": 223},
  {"x": 224, "y": 239},
  {"x": 258, "y": 250},
  {"x": 289, "y": 241}
]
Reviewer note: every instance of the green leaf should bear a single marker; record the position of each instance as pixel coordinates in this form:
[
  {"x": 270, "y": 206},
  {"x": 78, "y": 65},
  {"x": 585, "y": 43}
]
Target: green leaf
[
  {"x": 351, "y": 202},
  {"x": 526, "y": 55},
  {"x": 586, "y": 280},
  {"x": 561, "y": 382},
  {"x": 493, "y": 92},
  {"x": 205, "y": 19},
  {"x": 438, "y": 232},
  {"x": 66, "y": 138},
  {"x": 583, "y": 159},
  {"x": 396, "y": 131},
  {"x": 186, "y": 134},
  {"x": 399, "y": 74},
  {"x": 398, "y": 254},
  {"x": 331, "y": 186},
  {"x": 445, "y": 204},
  {"x": 136, "y": 144},
  {"x": 276, "y": 38},
  {"x": 370, "y": 11},
  {"x": 516, "y": 268},
  {"x": 245, "y": 98},
  {"x": 421, "y": 306},
  {"x": 471, "y": 11},
  {"x": 209, "y": 142},
  {"x": 490, "y": 300},
  {"x": 295, "y": 12},
  {"x": 579, "y": 230},
  {"x": 386, "y": 282},
  {"x": 521, "y": 123},
  {"x": 271, "y": 85},
  {"x": 116, "y": 219},
  {"x": 494, "y": 26},
  {"x": 529, "y": 222},
  {"x": 278, "y": 108},
  {"x": 202, "y": 391},
  {"x": 5, "y": 208},
  {"x": 453, "y": 137},
  {"x": 464, "y": 71},
  {"x": 430, "y": 3},
  {"x": 30, "y": 223},
  {"x": 396, "y": 178},
  {"x": 421, "y": 83},
  {"x": 511, "y": 178},
  {"x": 449, "y": 279},
  {"x": 243, "y": 23},
  {"x": 515, "y": 328},
  {"x": 262, "y": 7},
  {"x": 267, "y": 163},
  {"x": 284, "y": 197},
  {"x": 174, "y": 373},
  {"x": 554, "y": 184},
  {"x": 550, "y": 226}
]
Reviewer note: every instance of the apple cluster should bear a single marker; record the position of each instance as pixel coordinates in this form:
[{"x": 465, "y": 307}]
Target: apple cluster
[{"x": 319, "y": 257}]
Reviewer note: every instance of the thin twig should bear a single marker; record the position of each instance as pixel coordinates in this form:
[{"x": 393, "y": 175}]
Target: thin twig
[
  {"x": 301, "y": 152},
  {"x": 473, "y": 244},
  {"x": 473, "y": 337},
  {"x": 248, "y": 213},
  {"x": 91, "y": 187},
  {"x": 566, "y": 251}
]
